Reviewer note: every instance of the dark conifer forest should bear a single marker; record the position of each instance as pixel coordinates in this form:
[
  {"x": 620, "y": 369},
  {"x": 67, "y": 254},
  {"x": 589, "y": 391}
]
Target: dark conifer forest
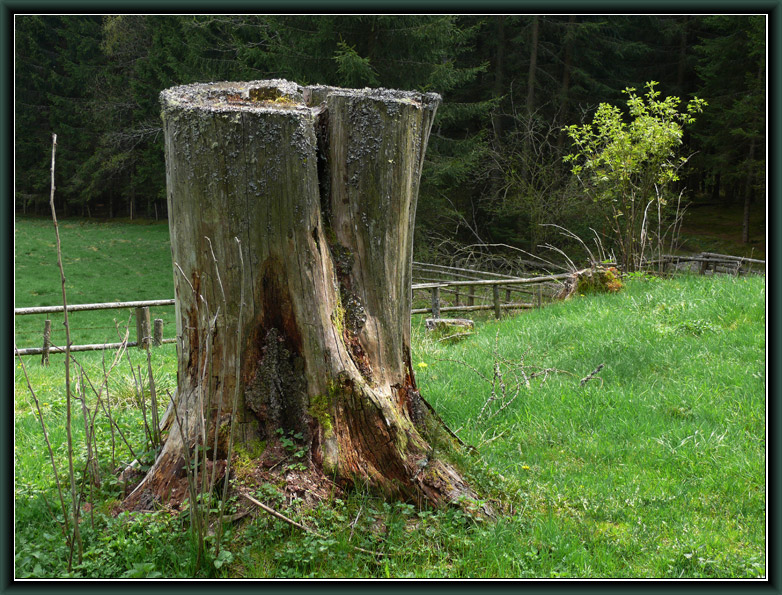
[{"x": 510, "y": 84}]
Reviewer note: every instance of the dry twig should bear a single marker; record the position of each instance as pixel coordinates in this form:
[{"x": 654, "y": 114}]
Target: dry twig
[
  {"x": 592, "y": 375},
  {"x": 69, "y": 436}
]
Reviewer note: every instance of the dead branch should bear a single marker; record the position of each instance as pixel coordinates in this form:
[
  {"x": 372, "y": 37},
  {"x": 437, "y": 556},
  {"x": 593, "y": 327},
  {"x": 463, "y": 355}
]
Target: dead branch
[
  {"x": 592, "y": 375},
  {"x": 304, "y": 528},
  {"x": 69, "y": 436}
]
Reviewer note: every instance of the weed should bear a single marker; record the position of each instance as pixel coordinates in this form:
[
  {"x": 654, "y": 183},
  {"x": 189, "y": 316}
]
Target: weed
[{"x": 296, "y": 452}]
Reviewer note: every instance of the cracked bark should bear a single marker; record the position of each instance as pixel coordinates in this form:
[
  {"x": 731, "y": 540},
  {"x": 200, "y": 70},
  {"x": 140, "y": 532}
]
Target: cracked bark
[{"x": 320, "y": 186}]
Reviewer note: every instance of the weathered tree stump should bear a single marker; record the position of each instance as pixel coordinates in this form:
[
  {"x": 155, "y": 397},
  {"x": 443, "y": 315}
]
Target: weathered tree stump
[{"x": 319, "y": 186}]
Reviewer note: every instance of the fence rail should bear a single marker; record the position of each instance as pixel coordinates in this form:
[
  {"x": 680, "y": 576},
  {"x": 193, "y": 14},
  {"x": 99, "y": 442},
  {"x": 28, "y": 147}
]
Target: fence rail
[{"x": 84, "y": 307}]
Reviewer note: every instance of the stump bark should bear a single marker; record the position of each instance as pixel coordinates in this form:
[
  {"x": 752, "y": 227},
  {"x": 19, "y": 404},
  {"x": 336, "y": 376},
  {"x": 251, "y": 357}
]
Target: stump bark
[{"x": 302, "y": 200}]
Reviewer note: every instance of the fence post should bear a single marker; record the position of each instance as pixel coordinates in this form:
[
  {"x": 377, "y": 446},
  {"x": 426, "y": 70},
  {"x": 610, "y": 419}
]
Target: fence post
[
  {"x": 47, "y": 333},
  {"x": 471, "y": 295},
  {"x": 496, "y": 290},
  {"x": 703, "y": 266},
  {"x": 539, "y": 295},
  {"x": 142, "y": 327},
  {"x": 157, "y": 337},
  {"x": 436, "y": 302},
  {"x": 456, "y": 296},
  {"x": 507, "y": 295}
]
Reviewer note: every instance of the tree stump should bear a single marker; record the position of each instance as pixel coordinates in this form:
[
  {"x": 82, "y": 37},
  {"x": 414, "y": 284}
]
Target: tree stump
[
  {"x": 302, "y": 200},
  {"x": 450, "y": 330}
]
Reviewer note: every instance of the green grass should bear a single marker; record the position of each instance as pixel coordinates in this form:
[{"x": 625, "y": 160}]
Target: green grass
[
  {"x": 665, "y": 459},
  {"x": 655, "y": 468}
]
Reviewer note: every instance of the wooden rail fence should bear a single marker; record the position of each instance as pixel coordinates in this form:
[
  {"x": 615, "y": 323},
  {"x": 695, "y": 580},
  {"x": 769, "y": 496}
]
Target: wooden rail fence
[
  {"x": 710, "y": 262},
  {"x": 532, "y": 286},
  {"x": 148, "y": 333}
]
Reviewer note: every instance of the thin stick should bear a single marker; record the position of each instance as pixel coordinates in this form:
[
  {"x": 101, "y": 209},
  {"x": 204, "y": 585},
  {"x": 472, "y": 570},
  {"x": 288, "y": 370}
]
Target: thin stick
[
  {"x": 108, "y": 403},
  {"x": 592, "y": 375},
  {"x": 72, "y": 477},
  {"x": 156, "y": 438},
  {"x": 235, "y": 403},
  {"x": 223, "y": 373},
  {"x": 195, "y": 516},
  {"x": 282, "y": 517}
]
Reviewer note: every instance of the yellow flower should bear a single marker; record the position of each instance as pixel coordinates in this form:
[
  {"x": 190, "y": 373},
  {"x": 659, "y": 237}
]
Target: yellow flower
[
  {"x": 525, "y": 467},
  {"x": 422, "y": 365}
]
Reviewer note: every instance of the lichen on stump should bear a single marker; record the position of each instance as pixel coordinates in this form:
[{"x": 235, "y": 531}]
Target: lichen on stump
[{"x": 317, "y": 187}]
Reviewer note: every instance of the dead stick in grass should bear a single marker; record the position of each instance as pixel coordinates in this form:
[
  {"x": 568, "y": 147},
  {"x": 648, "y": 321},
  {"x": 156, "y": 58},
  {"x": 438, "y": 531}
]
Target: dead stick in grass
[
  {"x": 69, "y": 436},
  {"x": 592, "y": 375},
  {"x": 305, "y": 528}
]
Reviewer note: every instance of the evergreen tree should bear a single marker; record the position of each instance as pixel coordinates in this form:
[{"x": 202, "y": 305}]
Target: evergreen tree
[
  {"x": 732, "y": 69},
  {"x": 33, "y": 48},
  {"x": 58, "y": 58}
]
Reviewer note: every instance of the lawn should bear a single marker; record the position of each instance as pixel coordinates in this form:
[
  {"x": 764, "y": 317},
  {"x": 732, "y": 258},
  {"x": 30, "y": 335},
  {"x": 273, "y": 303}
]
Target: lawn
[{"x": 655, "y": 467}]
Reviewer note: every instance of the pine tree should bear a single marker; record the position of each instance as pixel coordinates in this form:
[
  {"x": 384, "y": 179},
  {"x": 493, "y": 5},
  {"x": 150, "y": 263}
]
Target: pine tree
[{"x": 732, "y": 68}]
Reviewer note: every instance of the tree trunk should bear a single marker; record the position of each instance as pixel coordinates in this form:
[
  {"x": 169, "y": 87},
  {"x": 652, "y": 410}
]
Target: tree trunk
[
  {"x": 567, "y": 67},
  {"x": 715, "y": 188},
  {"x": 682, "y": 60},
  {"x": 748, "y": 194},
  {"x": 499, "y": 79},
  {"x": 530, "y": 103},
  {"x": 533, "y": 66},
  {"x": 317, "y": 187}
]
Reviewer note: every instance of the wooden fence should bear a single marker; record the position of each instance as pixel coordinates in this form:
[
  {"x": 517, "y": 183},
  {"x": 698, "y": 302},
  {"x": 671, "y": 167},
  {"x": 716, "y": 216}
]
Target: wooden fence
[
  {"x": 535, "y": 289},
  {"x": 463, "y": 283},
  {"x": 710, "y": 262},
  {"x": 148, "y": 333}
]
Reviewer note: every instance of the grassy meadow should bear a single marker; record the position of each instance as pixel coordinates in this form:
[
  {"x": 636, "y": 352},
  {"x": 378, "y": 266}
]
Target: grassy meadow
[{"x": 655, "y": 467}]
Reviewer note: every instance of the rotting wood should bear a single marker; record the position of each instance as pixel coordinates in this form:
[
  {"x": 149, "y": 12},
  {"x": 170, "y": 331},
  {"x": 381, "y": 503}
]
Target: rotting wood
[
  {"x": 440, "y": 324},
  {"x": 731, "y": 257},
  {"x": 320, "y": 184},
  {"x": 475, "y": 273},
  {"x": 476, "y": 308},
  {"x": 501, "y": 282}
]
